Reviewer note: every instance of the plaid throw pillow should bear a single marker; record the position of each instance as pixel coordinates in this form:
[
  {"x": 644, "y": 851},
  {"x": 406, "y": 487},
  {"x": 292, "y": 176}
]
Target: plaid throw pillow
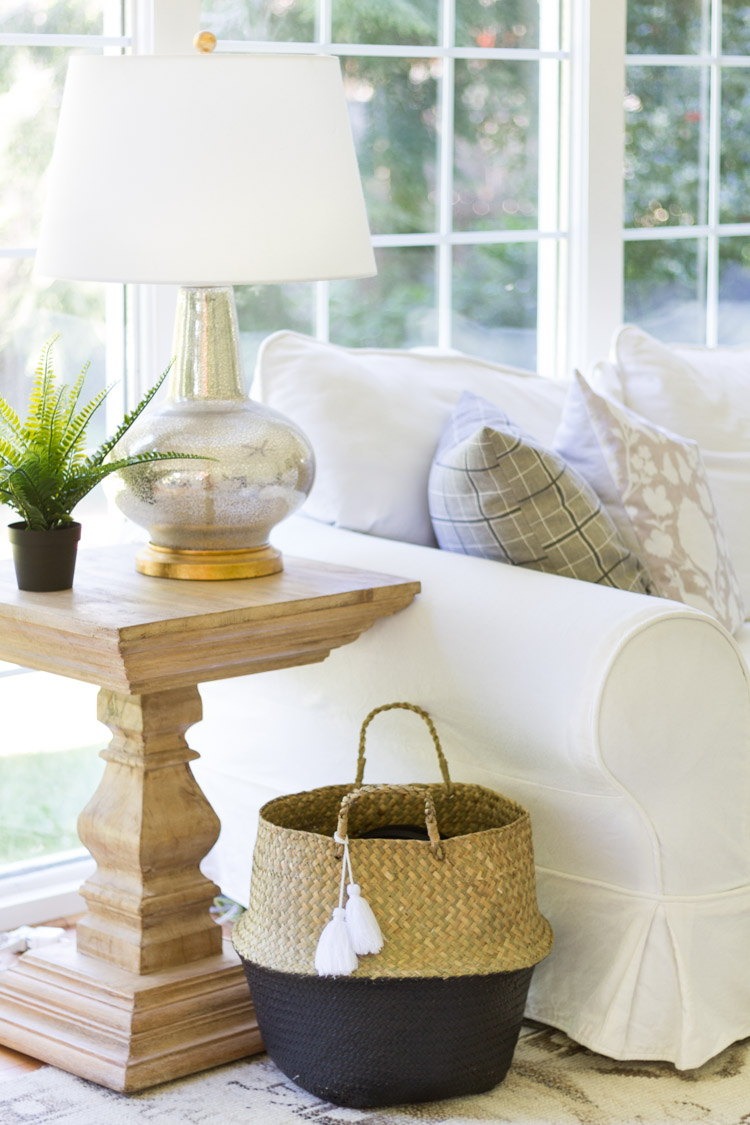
[{"x": 495, "y": 492}]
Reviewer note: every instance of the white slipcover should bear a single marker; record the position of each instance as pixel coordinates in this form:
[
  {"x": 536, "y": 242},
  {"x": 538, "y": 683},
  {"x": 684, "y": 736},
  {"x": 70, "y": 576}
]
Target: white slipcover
[{"x": 621, "y": 721}]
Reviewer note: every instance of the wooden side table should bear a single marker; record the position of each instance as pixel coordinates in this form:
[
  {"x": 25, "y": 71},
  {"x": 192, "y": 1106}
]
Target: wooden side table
[{"x": 150, "y": 994}]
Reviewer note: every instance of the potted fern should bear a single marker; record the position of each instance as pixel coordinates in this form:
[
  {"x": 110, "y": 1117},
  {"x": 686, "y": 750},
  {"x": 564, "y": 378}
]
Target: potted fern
[{"x": 45, "y": 472}]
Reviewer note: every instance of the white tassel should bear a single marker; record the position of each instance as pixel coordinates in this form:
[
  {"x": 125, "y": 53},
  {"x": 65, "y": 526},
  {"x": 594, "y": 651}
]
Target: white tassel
[
  {"x": 335, "y": 956},
  {"x": 361, "y": 923},
  {"x": 351, "y": 931}
]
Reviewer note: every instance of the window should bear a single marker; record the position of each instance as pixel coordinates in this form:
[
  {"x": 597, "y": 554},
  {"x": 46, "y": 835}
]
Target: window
[
  {"x": 687, "y": 169},
  {"x": 457, "y": 117}
]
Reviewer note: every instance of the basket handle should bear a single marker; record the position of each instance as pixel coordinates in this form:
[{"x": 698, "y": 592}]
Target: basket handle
[
  {"x": 418, "y": 711},
  {"x": 430, "y": 817}
]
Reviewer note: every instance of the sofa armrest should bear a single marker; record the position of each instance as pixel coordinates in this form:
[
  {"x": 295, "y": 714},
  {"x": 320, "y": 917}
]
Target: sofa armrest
[{"x": 601, "y": 710}]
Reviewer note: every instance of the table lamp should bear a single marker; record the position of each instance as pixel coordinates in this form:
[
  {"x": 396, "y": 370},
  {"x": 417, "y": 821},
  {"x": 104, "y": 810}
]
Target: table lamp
[{"x": 207, "y": 171}]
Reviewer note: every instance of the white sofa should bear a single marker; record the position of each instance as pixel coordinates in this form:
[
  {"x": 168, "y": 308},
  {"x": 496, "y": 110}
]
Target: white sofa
[{"x": 621, "y": 721}]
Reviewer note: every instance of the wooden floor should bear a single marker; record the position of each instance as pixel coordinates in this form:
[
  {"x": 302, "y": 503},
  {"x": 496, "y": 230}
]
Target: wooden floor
[{"x": 13, "y": 1064}]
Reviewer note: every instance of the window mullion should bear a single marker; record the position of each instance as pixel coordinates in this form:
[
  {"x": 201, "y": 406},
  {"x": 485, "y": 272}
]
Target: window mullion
[
  {"x": 548, "y": 169},
  {"x": 324, "y": 23},
  {"x": 322, "y": 314},
  {"x": 596, "y": 192},
  {"x": 445, "y": 192},
  {"x": 322, "y": 289},
  {"x": 713, "y": 174}
]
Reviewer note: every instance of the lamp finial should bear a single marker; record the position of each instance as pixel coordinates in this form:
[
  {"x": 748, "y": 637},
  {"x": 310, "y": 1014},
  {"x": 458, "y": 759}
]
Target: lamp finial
[{"x": 204, "y": 41}]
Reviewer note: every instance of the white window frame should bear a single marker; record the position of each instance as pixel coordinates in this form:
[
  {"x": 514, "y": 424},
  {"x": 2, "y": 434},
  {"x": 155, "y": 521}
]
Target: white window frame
[{"x": 595, "y": 279}]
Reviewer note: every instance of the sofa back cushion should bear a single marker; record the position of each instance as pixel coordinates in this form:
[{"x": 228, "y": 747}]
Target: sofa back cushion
[
  {"x": 375, "y": 416},
  {"x": 699, "y": 393}
]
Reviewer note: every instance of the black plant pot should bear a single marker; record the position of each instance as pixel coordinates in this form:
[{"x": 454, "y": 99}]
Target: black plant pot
[{"x": 44, "y": 560}]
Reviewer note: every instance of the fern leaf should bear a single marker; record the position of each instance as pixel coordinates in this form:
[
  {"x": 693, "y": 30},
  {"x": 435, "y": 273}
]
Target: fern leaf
[
  {"x": 53, "y": 425},
  {"x": 10, "y": 419},
  {"x": 91, "y": 474},
  {"x": 25, "y": 495},
  {"x": 10, "y": 454},
  {"x": 75, "y": 393},
  {"x": 40, "y": 390},
  {"x": 107, "y": 446},
  {"x": 147, "y": 458},
  {"x": 75, "y": 433}
]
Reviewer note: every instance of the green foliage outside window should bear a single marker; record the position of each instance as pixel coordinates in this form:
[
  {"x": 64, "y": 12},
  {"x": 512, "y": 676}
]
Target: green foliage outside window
[
  {"x": 666, "y": 27},
  {"x": 41, "y": 796}
]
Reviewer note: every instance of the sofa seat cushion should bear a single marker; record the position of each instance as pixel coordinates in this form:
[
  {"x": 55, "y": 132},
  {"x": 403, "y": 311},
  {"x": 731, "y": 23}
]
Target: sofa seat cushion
[
  {"x": 374, "y": 417},
  {"x": 497, "y": 493},
  {"x": 654, "y": 486}
]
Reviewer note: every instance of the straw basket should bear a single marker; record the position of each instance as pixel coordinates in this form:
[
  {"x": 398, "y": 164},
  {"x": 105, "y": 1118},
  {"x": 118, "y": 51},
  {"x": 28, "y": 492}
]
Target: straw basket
[{"x": 436, "y": 1013}]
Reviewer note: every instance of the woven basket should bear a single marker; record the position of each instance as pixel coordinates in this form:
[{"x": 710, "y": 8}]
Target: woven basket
[{"x": 462, "y": 932}]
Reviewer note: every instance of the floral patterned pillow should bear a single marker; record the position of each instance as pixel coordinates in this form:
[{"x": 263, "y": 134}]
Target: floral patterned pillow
[{"x": 653, "y": 484}]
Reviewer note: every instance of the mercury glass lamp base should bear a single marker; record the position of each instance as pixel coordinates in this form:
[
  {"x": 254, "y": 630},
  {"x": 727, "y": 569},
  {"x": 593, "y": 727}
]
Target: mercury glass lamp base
[{"x": 171, "y": 562}]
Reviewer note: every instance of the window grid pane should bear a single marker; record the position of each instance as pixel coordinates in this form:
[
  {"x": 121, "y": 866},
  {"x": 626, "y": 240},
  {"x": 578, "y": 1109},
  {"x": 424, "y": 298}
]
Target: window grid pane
[
  {"x": 665, "y": 288},
  {"x": 353, "y": 21},
  {"x": 514, "y": 23},
  {"x": 393, "y": 109},
  {"x": 261, "y": 20},
  {"x": 666, "y": 163},
  {"x": 734, "y": 289},
  {"x": 496, "y": 147},
  {"x": 495, "y": 301},
  {"x": 661, "y": 27},
  {"x": 396, "y": 308},
  {"x": 57, "y": 17}
]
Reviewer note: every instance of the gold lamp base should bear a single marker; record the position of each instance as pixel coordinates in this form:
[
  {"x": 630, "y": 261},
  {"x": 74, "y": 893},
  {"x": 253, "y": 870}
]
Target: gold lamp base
[{"x": 169, "y": 562}]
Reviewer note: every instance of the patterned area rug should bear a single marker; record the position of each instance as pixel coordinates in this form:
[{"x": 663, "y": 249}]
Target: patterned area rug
[{"x": 552, "y": 1082}]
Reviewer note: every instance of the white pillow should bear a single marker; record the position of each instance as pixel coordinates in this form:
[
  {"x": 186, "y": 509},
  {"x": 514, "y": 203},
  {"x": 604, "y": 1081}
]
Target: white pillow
[
  {"x": 375, "y": 416},
  {"x": 655, "y": 482},
  {"x": 700, "y": 393},
  {"x": 729, "y": 480}
]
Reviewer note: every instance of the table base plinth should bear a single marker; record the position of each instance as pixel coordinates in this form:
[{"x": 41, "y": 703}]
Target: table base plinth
[{"x": 124, "y": 1030}]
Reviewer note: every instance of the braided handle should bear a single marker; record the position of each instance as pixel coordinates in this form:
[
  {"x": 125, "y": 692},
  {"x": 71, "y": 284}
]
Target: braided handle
[
  {"x": 418, "y": 711},
  {"x": 430, "y": 817}
]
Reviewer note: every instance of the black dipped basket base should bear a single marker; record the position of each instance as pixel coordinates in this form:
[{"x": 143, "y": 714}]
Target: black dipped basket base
[{"x": 366, "y": 1042}]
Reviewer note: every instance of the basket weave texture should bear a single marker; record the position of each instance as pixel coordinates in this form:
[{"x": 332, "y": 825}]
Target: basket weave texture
[
  {"x": 464, "y": 906},
  {"x": 383, "y": 1042}
]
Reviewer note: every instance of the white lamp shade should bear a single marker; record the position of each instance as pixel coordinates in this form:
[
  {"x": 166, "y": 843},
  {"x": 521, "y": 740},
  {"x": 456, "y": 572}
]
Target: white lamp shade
[{"x": 204, "y": 170}]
